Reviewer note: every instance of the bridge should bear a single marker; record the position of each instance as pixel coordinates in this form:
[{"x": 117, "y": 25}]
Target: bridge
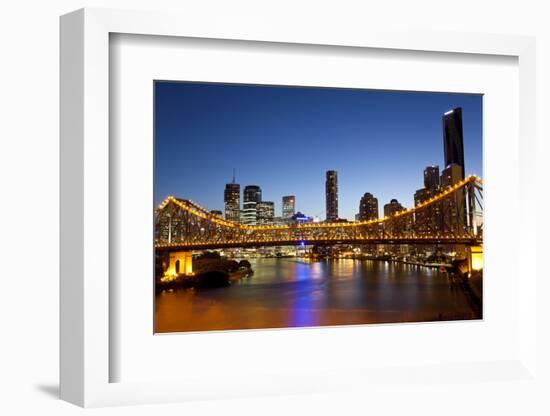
[{"x": 449, "y": 217}]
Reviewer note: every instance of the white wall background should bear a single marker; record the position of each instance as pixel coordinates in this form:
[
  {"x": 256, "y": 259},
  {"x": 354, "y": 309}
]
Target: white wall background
[{"x": 29, "y": 199}]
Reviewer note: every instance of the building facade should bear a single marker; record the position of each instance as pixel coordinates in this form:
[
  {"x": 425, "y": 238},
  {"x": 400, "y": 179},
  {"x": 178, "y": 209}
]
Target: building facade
[
  {"x": 453, "y": 210},
  {"x": 289, "y": 207},
  {"x": 431, "y": 177},
  {"x": 252, "y": 195},
  {"x": 428, "y": 220},
  {"x": 368, "y": 208},
  {"x": 331, "y": 195},
  {"x": 392, "y": 208},
  {"x": 265, "y": 211},
  {"x": 401, "y": 225},
  {"x": 232, "y": 201}
]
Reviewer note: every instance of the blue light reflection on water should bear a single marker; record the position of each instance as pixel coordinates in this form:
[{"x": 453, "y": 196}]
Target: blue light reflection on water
[
  {"x": 293, "y": 292},
  {"x": 301, "y": 314}
]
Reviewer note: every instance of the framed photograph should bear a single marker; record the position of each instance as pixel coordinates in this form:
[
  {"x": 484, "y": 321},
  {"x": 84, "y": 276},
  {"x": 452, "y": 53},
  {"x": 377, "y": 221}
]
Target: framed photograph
[{"x": 274, "y": 212}]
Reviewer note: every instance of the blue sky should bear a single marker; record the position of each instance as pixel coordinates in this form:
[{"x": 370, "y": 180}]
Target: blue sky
[{"x": 285, "y": 138}]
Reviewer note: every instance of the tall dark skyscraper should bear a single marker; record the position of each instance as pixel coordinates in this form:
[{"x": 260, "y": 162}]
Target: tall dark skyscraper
[
  {"x": 431, "y": 177},
  {"x": 331, "y": 195},
  {"x": 453, "y": 139},
  {"x": 252, "y": 195},
  {"x": 232, "y": 200},
  {"x": 368, "y": 208}
]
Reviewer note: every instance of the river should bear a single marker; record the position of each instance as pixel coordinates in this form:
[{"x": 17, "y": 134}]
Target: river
[{"x": 295, "y": 292}]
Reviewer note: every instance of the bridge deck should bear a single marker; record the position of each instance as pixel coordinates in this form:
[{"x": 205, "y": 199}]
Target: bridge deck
[{"x": 255, "y": 244}]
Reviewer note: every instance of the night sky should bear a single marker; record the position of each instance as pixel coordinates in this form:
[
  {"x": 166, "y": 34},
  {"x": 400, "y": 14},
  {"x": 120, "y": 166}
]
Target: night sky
[{"x": 285, "y": 138}]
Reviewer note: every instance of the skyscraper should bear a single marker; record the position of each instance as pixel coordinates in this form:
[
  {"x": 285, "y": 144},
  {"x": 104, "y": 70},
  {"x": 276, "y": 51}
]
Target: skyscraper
[
  {"x": 431, "y": 177},
  {"x": 451, "y": 175},
  {"x": 331, "y": 195},
  {"x": 453, "y": 140},
  {"x": 289, "y": 207},
  {"x": 265, "y": 211},
  {"x": 399, "y": 225},
  {"x": 252, "y": 194},
  {"x": 368, "y": 208},
  {"x": 454, "y": 207},
  {"x": 428, "y": 219},
  {"x": 232, "y": 200}
]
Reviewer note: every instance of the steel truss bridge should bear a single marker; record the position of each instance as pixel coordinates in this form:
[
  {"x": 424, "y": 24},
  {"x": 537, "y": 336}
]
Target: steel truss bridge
[{"x": 453, "y": 216}]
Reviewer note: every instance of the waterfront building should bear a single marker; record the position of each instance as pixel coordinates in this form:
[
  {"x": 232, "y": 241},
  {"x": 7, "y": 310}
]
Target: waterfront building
[
  {"x": 232, "y": 201},
  {"x": 289, "y": 207},
  {"x": 331, "y": 195},
  {"x": 252, "y": 194},
  {"x": 265, "y": 212},
  {"x": 453, "y": 140},
  {"x": 368, "y": 208}
]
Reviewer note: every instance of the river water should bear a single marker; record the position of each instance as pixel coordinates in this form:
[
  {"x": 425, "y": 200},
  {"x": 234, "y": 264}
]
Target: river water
[{"x": 294, "y": 292}]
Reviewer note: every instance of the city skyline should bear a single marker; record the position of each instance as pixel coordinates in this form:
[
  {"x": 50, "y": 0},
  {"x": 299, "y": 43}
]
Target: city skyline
[{"x": 402, "y": 171}]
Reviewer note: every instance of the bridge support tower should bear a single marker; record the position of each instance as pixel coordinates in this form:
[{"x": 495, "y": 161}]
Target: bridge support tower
[
  {"x": 181, "y": 263},
  {"x": 475, "y": 258}
]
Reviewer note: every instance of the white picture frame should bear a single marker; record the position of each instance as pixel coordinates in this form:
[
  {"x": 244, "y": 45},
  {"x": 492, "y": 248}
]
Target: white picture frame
[{"x": 85, "y": 210}]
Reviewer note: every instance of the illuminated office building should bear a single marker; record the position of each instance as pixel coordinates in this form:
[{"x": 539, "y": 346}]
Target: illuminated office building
[
  {"x": 431, "y": 177},
  {"x": 368, "y": 208},
  {"x": 252, "y": 194},
  {"x": 232, "y": 201},
  {"x": 289, "y": 207},
  {"x": 265, "y": 212},
  {"x": 392, "y": 208},
  {"x": 428, "y": 219},
  {"x": 453, "y": 208},
  {"x": 331, "y": 195}
]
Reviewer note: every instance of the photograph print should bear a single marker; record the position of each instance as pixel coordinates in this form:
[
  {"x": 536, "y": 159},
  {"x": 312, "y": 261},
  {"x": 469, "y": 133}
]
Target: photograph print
[{"x": 291, "y": 207}]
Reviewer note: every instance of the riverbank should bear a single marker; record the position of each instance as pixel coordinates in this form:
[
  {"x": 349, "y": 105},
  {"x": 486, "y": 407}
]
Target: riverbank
[
  {"x": 433, "y": 265},
  {"x": 208, "y": 279}
]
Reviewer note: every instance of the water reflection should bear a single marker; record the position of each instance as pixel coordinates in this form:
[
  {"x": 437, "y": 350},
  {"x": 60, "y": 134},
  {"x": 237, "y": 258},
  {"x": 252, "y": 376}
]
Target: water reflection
[{"x": 296, "y": 293}]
